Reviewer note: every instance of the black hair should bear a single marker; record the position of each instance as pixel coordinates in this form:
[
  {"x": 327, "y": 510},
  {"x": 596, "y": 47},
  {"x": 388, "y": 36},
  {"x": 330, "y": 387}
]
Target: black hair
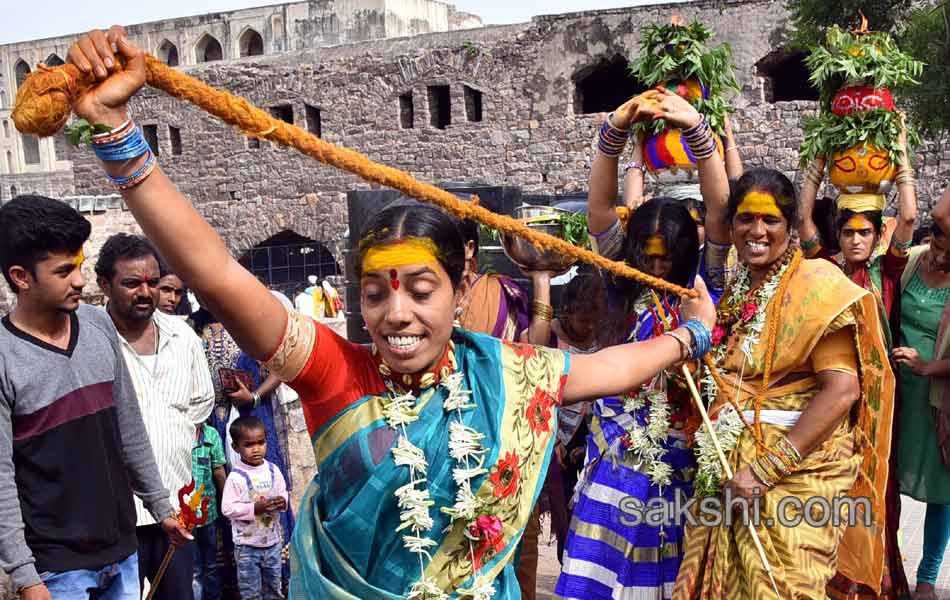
[
  {"x": 922, "y": 231},
  {"x": 876, "y": 218},
  {"x": 470, "y": 232},
  {"x": 399, "y": 222},
  {"x": 694, "y": 204},
  {"x": 32, "y": 227},
  {"x": 242, "y": 425},
  {"x": 770, "y": 181},
  {"x": 824, "y": 218},
  {"x": 936, "y": 231},
  {"x": 163, "y": 267},
  {"x": 581, "y": 292},
  {"x": 669, "y": 219},
  {"x": 122, "y": 246},
  {"x": 202, "y": 318}
]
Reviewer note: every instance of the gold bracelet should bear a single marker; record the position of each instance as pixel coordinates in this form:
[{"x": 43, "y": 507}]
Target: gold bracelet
[{"x": 541, "y": 310}]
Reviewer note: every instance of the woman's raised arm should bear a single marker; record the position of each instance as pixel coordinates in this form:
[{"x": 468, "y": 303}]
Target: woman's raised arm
[{"x": 253, "y": 316}]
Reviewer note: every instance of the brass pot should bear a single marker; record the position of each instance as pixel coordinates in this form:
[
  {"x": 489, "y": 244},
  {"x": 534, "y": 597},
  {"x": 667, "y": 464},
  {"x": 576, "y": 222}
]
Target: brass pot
[{"x": 523, "y": 253}]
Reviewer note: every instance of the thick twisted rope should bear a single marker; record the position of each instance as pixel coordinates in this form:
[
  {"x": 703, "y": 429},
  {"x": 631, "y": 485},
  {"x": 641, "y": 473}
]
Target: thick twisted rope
[{"x": 43, "y": 106}]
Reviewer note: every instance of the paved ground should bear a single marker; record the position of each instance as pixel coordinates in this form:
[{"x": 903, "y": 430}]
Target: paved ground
[{"x": 912, "y": 529}]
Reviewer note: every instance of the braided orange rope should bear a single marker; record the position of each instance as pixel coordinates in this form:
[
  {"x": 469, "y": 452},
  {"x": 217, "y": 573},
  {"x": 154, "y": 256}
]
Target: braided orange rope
[{"x": 44, "y": 102}]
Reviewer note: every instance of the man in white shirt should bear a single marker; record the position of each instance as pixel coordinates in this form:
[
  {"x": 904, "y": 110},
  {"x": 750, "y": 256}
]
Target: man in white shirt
[{"x": 170, "y": 374}]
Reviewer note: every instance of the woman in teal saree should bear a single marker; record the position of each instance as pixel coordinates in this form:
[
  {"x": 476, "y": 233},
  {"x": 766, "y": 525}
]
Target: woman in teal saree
[{"x": 432, "y": 446}]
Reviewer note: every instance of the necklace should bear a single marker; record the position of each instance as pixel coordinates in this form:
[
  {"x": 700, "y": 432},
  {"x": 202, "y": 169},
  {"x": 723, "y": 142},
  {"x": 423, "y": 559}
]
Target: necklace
[
  {"x": 465, "y": 448},
  {"x": 742, "y": 314}
]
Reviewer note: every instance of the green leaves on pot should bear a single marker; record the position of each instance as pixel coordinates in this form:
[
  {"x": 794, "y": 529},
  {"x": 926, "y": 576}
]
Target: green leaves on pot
[
  {"x": 679, "y": 52},
  {"x": 872, "y": 58},
  {"x": 828, "y": 134}
]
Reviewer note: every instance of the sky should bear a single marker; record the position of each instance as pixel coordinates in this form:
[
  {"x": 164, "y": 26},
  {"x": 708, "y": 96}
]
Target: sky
[{"x": 35, "y": 19}]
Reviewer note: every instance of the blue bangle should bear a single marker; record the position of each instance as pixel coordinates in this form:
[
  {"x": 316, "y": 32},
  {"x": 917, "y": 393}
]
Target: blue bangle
[
  {"x": 119, "y": 182},
  {"x": 702, "y": 337},
  {"x": 130, "y": 146}
]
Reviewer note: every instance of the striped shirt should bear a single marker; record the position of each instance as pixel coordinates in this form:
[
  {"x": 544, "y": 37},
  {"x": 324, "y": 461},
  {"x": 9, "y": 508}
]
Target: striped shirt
[{"x": 175, "y": 394}]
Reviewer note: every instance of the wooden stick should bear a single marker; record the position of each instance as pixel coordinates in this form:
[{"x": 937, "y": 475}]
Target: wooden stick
[
  {"x": 153, "y": 585},
  {"x": 727, "y": 470}
]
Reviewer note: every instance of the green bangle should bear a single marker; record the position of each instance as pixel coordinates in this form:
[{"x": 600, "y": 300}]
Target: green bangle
[{"x": 257, "y": 399}]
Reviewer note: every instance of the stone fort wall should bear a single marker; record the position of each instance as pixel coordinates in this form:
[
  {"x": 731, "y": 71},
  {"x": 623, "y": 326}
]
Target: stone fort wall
[{"x": 411, "y": 103}]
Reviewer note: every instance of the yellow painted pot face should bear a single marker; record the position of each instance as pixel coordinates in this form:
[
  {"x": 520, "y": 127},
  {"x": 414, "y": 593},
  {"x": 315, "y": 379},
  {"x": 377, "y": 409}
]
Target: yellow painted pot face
[{"x": 862, "y": 169}]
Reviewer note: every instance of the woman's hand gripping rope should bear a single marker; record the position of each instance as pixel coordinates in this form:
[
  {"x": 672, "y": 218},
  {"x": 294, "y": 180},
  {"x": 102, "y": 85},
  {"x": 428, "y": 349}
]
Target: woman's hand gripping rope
[{"x": 45, "y": 100}]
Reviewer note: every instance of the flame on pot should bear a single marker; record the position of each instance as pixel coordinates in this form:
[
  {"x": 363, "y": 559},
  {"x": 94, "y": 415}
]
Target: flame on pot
[{"x": 863, "y": 29}]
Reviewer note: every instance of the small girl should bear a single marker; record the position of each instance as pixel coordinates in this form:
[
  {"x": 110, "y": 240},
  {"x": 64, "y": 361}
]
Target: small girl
[{"x": 253, "y": 495}]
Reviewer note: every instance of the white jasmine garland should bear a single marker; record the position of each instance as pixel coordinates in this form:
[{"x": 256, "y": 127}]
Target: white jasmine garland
[
  {"x": 647, "y": 442},
  {"x": 426, "y": 589},
  {"x": 483, "y": 588},
  {"x": 728, "y": 427},
  {"x": 413, "y": 498}
]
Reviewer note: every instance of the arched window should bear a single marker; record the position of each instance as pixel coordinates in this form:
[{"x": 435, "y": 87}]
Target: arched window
[
  {"x": 6, "y": 128},
  {"x": 284, "y": 261},
  {"x": 13, "y": 191},
  {"x": 786, "y": 77},
  {"x": 21, "y": 71},
  {"x": 251, "y": 43},
  {"x": 604, "y": 86},
  {"x": 168, "y": 53},
  {"x": 31, "y": 149},
  {"x": 208, "y": 49},
  {"x": 53, "y": 60}
]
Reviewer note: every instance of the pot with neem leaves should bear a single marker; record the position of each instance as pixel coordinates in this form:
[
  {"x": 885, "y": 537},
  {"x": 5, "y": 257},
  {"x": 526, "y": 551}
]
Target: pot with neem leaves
[{"x": 553, "y": 221}]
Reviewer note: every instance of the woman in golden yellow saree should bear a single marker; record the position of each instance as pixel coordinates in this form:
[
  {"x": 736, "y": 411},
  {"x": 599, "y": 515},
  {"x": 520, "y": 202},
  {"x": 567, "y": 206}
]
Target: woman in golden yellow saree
[
  {"x": 801, "y": 399},
  {"x": 432, "y": 447}
]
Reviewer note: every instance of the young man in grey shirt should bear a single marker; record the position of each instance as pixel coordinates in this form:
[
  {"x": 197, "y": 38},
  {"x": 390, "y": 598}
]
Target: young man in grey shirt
[{"x": 73, "y": 446}]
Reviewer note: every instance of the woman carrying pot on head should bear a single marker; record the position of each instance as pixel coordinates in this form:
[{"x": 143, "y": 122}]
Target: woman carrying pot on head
[
  {"x": 923, "y": 356},
  {"x": 638, "y": 442},
  {"x": 431, "y": 448},
  {"x": 797, "y": 398},
  {"x": 859, "y": 227}
]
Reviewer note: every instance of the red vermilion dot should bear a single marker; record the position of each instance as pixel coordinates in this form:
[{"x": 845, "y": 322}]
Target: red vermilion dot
[{"x": 394, "y": 279}]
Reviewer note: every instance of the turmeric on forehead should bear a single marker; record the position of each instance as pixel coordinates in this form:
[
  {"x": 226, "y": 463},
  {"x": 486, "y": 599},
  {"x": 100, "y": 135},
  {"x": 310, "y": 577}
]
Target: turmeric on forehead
[
  {"x": 760, "y": 202},
  {"x": 400, "y": 253}
]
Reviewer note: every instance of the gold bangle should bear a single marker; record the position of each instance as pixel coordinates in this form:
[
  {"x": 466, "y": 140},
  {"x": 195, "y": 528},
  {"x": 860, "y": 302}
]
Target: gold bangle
[{"x": 541, "y": 310}]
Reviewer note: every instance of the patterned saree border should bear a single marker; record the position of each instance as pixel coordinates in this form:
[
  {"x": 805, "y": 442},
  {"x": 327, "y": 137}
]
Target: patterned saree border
[{"x": 533, "y": 380}]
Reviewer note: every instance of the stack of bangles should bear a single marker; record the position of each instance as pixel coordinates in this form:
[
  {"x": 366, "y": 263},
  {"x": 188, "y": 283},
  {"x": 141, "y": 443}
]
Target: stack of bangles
[
  {"x": 700, "y": 139},
  {"x": 125, "y": 142},
  {"x": 610, "y": 140},
  {"x": 905, "y": 177},
  {"x": 778, "y": 461},
  {"x": 541, "y": 310},
  {"x": 699, "y": 342}
]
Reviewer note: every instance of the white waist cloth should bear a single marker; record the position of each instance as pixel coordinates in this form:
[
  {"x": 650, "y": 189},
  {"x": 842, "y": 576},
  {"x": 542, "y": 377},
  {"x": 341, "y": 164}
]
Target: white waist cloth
[{"x": 781, "y": 418}]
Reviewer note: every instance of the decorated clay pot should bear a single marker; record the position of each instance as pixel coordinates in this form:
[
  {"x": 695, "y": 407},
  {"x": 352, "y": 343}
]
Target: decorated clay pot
[
  {"x": 861, "y": 99},
  {"x": 690, "y": 89},
  {"x": 862, "y": 169},
  {"x": 668, "y": 150}
]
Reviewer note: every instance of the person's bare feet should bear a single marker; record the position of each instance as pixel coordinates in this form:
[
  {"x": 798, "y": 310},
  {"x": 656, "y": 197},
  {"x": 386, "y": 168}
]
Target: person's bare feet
[{"x": 925, "y": 591}]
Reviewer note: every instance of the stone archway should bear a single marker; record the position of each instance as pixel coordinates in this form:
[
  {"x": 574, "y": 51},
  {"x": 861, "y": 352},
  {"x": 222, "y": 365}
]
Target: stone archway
[
  {"x": 208, "y": 49},
  {"x": 284, "y": 260},
  {"x": 251, "y": 43},
  {"x": 604, "y": 85},
  {"x": 786, "y": 76},
  {"x": 168, "y": 53}
]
